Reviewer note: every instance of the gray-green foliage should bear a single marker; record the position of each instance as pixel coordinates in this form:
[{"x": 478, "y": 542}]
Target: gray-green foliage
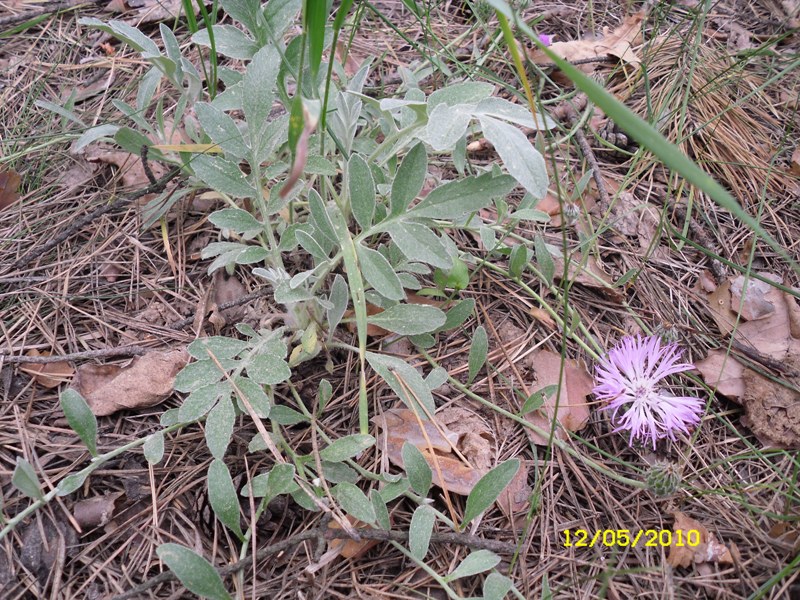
[{"x": 370, "y": 237}]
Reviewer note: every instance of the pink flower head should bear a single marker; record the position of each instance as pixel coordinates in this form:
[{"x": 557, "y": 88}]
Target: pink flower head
[
  {"x": 545, "y": 39},
  {"x": 628, "y": 380}
]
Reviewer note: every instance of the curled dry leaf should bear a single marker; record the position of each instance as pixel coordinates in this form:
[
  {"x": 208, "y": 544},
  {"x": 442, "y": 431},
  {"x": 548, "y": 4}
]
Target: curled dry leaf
[
  {"x": 145, "y": 382},
  {"x": 96, "y": 511},
  {"x": 399, "y": 425},
  {"x": 47, "y": 375},
  {"x": 618, "y": 43},
  {"x": 589, "y": 273},
  {"x": 709, "y": 550},
  {"x": 573, "y": 408},
  {"x": 769, "y": 327},
  {"x": 9, "y": 184},
  {"x": 350, "y": 548}
]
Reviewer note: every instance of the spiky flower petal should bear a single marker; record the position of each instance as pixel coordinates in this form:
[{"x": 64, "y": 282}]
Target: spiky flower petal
[{"x": 628, "y": 380}]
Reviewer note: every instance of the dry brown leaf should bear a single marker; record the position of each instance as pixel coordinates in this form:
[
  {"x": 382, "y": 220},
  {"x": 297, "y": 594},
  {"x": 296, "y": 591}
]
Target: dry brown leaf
[
  {"x": 145, "y": 382},
  {"x": 147, "y": 11},
  {"x": 543, "y": 317},
  {"x": 618, "y": 43},
  {"x": 377, "y": 331},
  {"x": 795, "y": 164},
  {"x": 400, "y": 425},
  {"x": 350, "y": 548},
  {"x": 47, "y": 375},
  {"x": 573, "y": 408},
  {"x": 227, "y": 288},
  {"x": 589, "y": 273},
  {"x": 514, "y": 499},
  {"x": 96, "y": 511},
  {"x": 9, "y": 184},
  {"x": 769, "y": 325},
  {"x": 709, "y": 550}
]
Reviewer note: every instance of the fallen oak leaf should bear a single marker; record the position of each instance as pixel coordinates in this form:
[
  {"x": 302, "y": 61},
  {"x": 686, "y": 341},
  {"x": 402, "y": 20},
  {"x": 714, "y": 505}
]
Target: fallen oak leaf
[
  {"x": 573, "y": 407},
  {"x": 9, "y": 184},
  {"x": 707, "y": 550},
  {"x": 147, "y": 381}
]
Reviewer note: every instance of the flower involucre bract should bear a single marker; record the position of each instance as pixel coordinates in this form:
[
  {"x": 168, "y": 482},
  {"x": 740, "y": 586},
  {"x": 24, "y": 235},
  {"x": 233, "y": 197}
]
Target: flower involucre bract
[{"x": 628, "y": 380}]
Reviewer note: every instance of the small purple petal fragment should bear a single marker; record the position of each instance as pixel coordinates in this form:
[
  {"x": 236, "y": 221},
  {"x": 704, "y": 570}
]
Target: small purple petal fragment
[
  {"x": 545, "y": 39},
  {"x": 628, "y": 378}
]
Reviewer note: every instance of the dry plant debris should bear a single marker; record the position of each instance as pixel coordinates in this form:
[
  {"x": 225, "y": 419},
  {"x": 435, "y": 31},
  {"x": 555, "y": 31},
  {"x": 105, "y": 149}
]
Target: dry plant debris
[
  {"x": 618, "y": 43},
  {"x": 769, "y": 327},
  {"x": 145, "y": 382},
  {"x": 9, "y": 186},
  {"x": 570, "y": 405},
  {"x": 49, "y": 375},
  {"x": 709, "y": 550}
]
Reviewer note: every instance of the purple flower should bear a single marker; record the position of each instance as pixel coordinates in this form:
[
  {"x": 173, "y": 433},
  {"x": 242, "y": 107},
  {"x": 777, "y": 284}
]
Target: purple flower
[
  {"x": 545, "y": 39},
  {"x": 628, "y": 380}
]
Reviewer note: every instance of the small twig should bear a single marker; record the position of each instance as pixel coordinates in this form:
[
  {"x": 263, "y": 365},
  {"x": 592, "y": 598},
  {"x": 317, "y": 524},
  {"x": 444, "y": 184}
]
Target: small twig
[
  {"x": 265, "y": 291},
  {"x": 104, "y": 353},
  {"x": 566, "y": 112},
  {"x": 101, "y": 210},
  {"x": 146, "y": 165},
  {"x": 326, "y": 534}
]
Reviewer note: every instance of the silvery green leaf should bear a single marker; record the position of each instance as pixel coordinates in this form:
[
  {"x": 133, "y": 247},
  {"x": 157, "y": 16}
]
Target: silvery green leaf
[
  {"x": 354, "y": 502},
  {"x": 218, "y": 346},
  {"x": 200, "y": 401},
  {"x": 456, "y": 316},
  {"x": 268, "y": 369},
  {"x": 222, "y": 175},
  {"x": 390, "y": 367},
  {"x": 409, "y": 319},
  {"x": 519, "y": 156},
  {"x": 247, "y": 12},
  {"x": 25, "y": 480},
  {"x": 319, "y": 165},
  {"x": 447, "y": 125},
  {"x": 477, "y": 352},
  {"x": 461, "y": 197},
  {"x": 229, "y": 41},
  {"x": 489, "y": 488},
  {"x": 221, "y": 129},
  {"x": 346, "y": 447},
  {"x": 94, "y": 134},
  {"x": 258, "y": 92},
  {"x": 339, "y": 297},
  {"x": 169, "y": 418},
  {"x": 255, "y": 395},
  {"x": 319, "y": 216},
  {"x": 394, "y": 489},
  {"x": 201, "y": 373},
  {"x": 337, "y": 472},
  {"x": 153, "y": 448},
  {"x": 310, "y": 245},
  {"x": 222, "y": 496},
  {"x": 516, "y": 113},
  {"x": 128, "y": 34},
  {"x": 381, "y": 512},
  {"x": 279, "y": 480},
  {"x": 408, "y": 281},
  {"x": 80, "y": 418},
  {"x": 409, "y": 179},
  {"x": 419, "y": 243},
  {"x": 251, "y": 254},
  {"x": 279, "y": 15},
  {"x": 420, "y": 530},
  {"x": 497, "y": 586},
  {"x": 417, "y": 468},
  {"x": 71, "y": 483},
  {"x": 286, "y": 295},
  {"x": 283, "y": 415},
  {"x": 544, "y": 260},
  {"x": 517, "y": 261},
  {"x": 229, "y": 99},
  {"x": 362, "y": 191},
  {"x": 476, "y": 562},
  {"x": 437, "y": 378},
  {"x": 194, "y": 572},
  {"x": 147, "y": 88},
  {"x": 219, "y": 427},
  {"x": 531, "y": 214},
  {"x": 379, "y": 273},
  {"x": 324, "y": 394},
  {"x": 470, "y": 92}
]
